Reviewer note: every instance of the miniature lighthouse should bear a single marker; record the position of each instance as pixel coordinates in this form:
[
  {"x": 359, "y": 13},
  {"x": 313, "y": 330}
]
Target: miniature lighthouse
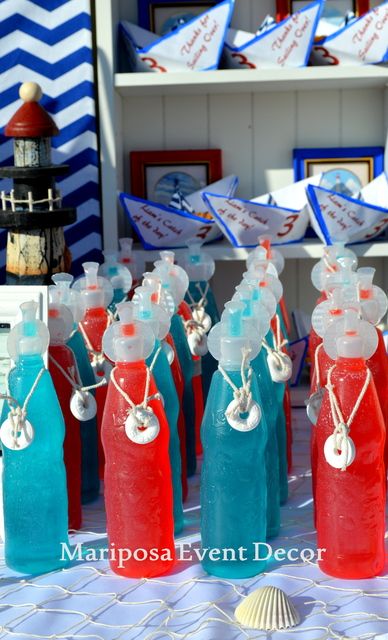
[{"x": 32, "y": 210}]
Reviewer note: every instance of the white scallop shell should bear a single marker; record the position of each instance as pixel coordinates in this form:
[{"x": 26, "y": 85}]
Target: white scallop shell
[{"x": 268, "y": 609}]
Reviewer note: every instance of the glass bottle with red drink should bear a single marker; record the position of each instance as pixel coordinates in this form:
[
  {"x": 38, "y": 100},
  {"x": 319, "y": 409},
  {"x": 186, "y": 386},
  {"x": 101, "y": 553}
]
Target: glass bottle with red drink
[
  {"x": 351, "y": 482},
  {"x": 97, "y": 294},
  {"x": 135, "y": 435}
]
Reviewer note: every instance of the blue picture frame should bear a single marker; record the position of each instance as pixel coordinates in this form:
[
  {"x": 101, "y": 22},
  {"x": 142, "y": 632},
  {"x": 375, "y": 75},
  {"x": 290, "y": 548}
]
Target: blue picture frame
[
  {"x": 305, "y": 158},
  {"x": 146, "y": 9}
]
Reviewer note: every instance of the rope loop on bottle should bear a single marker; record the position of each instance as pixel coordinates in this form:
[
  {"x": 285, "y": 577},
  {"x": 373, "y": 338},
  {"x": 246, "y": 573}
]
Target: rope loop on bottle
[
  {"x": 16, "y": 432},
  {"x": 242, "y": 413},
  {"x": 339, "y": 447}
]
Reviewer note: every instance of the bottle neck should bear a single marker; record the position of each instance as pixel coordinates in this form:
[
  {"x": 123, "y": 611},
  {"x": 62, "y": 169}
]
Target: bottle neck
[
  {"x": 351, "y": 364},
  {"x": 138, "y": 365},
  {"x": 30, "y": 362}
]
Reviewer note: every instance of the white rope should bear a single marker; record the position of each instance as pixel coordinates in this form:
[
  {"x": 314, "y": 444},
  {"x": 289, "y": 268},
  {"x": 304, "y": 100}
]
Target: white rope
[
  {"x": 76, "y": 385},
  {"x": 242, "y": 395},
  {"x": 316, "y": 365},
  {"x": 98, "y": 356},
  {"x": 146, "y": 397},
  {"x": 202, "y": 302},
  {"x": 328, "y": 266},
  {"x": 19, "y": 413},
  {"x": 342, "y": 427}
]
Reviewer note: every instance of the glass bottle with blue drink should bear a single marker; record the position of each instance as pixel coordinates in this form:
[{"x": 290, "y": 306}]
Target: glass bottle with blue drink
[
  {"x": 34, "y": 476},
  {"x": 233, "y": 477},
  {"x": 158, "y": 321},
  {"x": 263, "y": 281},
  {"x": 259, "y": 315},
  {"x": 200, "y": 266},
  {"x": 171, "y": 281},
  {"x": 90, "y": 481}
]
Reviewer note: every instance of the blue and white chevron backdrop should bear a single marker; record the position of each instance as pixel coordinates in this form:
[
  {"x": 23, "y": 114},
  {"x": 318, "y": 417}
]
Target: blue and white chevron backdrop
[{"x": 50, "y": 42}]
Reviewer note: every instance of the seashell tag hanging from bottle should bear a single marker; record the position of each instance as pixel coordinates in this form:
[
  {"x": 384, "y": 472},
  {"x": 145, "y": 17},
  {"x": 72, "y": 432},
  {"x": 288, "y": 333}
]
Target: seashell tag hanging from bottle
[
  {"x": 243, "y": 418},
  {"x": 313, "y": 405},
  {"x": 142, "y": 425},
  {"x": 280, "y": 366},
  {"x": 203, "y": 318},
  {"x": 339, "y": 451},
  {"x": 16, "y": 433},
  {"x": 83, "y": 405}
]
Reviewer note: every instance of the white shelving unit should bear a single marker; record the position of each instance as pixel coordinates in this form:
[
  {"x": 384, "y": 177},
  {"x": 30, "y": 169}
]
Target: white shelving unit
[{"x": 256, "y": 117}]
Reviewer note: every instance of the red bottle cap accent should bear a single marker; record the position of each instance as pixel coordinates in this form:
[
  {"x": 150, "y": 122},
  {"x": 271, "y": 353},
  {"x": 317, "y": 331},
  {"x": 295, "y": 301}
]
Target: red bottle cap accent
[{"x": 31, "y": 120}]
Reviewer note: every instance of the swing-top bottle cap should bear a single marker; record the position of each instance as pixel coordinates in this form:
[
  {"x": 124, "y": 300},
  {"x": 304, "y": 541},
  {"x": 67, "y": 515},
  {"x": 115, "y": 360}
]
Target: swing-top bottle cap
[
  {"x": 331, "y": 310},
  {"x": 350, "y": 337},
  {"x": 261, "y": 295},
  {"x": 179, "y": 280},
  {"x": 30, "y": 337},
  {"x": 160, "y": 295},
  {"x": 197, "y": 263},
  {"x": 254, "y": 310},
  {"x": 373, "y": 300},
  {"x": 275, "y": 256},
  {"x": 259, "y": 260},
  {"x": 69, "y": 297},
  {"x": 60, "y": 318},
  {"x": 128, "y": 340},
  {"x": 151, "y": 313},
  {"x": 230, "y": 337},
  {"x": 129, "y": 259},
  {"x": 344, "y": 276},
  {"x": 111, "y": 268},
  {"x": 96, "y": 291},
  {"x": 265, "y": 280},
  {"x": 264, "y": 251},
  {"x": 335, "y": 256}
]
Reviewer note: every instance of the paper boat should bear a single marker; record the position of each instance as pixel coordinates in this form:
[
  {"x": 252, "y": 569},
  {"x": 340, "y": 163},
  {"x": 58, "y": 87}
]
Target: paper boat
[
  {"x": 363, "y": 41},
  {"x": 335, "y": 216},
  {"x": 194, "y": 46},
  {"x": 283, "y": 214},
  {"x": 160, "y": 226},
  {"x": 287, "y": 44}
]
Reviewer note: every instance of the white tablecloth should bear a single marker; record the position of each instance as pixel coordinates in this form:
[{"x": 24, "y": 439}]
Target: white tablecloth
[{"x": 87, "y": 600}]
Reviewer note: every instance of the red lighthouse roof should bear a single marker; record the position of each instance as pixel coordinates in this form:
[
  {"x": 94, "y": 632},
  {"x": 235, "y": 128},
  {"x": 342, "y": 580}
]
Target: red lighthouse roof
[{"x": 31, "y": 120}]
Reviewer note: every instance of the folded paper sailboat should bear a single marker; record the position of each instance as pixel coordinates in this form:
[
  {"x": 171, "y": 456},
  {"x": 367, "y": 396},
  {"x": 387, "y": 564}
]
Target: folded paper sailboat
[
  {"x": 286, "y": 44},
  {"x": 185, "y": 218},
  {"x": 282, "y": 213},
  {"x": 362, "y": 41},
  {"x": 359, "y": 219},
  {"x": 193, "y": 46}
]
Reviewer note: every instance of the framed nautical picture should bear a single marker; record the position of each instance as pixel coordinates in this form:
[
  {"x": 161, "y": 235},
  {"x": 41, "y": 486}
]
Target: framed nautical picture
[
  {"x": 344, "y": 169},
  {"x": 158, "y": 175},
  {"x": 162, "y": 16},
  {"x": 334, "y": 11}
]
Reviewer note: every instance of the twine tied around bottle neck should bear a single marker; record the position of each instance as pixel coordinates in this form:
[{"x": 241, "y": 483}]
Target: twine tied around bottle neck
[
  {"x": 341, "y": 426},
  {"x": 146, "y": 398},
  {"x": 202, "y": 302},
  {"x": 242, "y": 395},
  {"x": 98, "y": 357},
  {"x": 18, "y": 414},
  {"x": 76, "y": 384}
]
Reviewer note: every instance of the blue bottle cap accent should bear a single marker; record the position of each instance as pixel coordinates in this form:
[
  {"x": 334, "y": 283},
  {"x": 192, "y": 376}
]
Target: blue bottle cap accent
[
  {"x": 198, "y": 264},
  {"x": 30, "y": 337},
  {"x": 145, "y": 310},
  {"x": 231, "y": 336},
  {"x": 112, "y": 268}
]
